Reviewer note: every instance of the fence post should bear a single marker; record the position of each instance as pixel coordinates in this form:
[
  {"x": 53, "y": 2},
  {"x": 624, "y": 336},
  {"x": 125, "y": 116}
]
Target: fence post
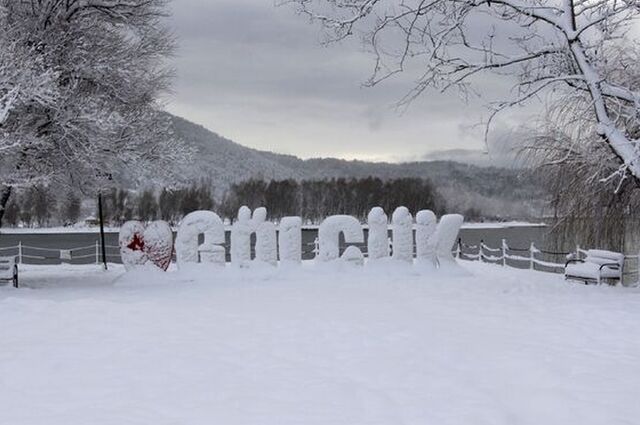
[
  {"x": 532, "y": 250},
  {"x": 459, "y": 248},
  {"x": 97, "y": 253},
  {"x": 637, "y": 283},
  {"x": 316, "y": 247},
  {"x": 481, "y": 251},
  {"x": 504, "y": 253},
  {"x": 638, "y": 268},
  {"x": 20, "y": 252}
]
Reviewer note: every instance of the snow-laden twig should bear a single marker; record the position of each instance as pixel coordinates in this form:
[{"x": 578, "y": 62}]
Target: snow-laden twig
[{"x": 546, "y": 46}]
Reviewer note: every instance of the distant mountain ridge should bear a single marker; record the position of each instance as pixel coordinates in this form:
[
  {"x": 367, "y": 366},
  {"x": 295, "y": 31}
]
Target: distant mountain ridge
[{"x": 495, "y": 191}]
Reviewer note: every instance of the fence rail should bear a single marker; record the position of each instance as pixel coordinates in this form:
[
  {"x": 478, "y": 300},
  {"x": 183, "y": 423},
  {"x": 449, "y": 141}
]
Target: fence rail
[
  {"x": 92, "y": 254},
  {"x": 532, "y": 258},
  {"x": 23, "y": 253},
  {"x": 535, "y": 258}
]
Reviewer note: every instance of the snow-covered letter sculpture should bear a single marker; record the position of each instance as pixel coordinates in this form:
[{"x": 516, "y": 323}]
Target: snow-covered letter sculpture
[
  {"x": 447, "y": 234},
  {"x": 266, "y": 243},
  {"x": 241, "y": 237},
  {"x": 290, "y": 240},
  {"x": 378, "y": 237},
  {"x": 131, "y": 245},
  {"x": 194, "y": 224},
  {"x": 140, "y": 245},
  {"x": 426, "y": 240},
  {"x": 402, "y": 224},
  {"x": 329, "y": 235}
]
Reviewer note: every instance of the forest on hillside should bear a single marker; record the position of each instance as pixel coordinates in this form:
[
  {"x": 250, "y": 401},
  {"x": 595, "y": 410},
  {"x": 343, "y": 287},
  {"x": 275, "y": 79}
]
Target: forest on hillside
[{"x": 312, "y": 200}]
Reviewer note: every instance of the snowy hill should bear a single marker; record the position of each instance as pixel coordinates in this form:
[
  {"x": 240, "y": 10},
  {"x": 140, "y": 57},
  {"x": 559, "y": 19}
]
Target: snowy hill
[
  {"x": 494, "y": 158},
  {"x": 493, "y": 189},
  {"x": 227, "y": 162}
]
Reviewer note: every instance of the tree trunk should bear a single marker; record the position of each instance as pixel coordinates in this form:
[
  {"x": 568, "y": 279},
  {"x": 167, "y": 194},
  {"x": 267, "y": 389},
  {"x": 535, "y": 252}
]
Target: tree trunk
[{"x": 5, "y": 194}]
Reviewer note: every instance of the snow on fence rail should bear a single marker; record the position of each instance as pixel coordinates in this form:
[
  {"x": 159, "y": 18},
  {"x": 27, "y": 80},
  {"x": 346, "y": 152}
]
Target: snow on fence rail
[
  {"x": 92, "y": 254},
  {"x": 531, "y": 257},
  {"x": 89, "y": 253},
  {"x": 527, "y": 257}
]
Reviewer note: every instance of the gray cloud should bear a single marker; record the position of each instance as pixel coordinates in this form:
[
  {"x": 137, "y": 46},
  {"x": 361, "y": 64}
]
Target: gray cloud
[{"x": 258, "y": 75}]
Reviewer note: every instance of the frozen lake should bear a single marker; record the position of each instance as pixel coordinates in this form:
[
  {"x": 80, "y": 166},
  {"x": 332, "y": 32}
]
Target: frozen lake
[{"x": 42, "y": 247}]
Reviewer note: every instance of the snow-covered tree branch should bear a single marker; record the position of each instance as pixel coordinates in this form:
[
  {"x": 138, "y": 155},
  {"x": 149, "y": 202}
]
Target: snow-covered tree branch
[
  {"x": 576, "y": 45},
  {"x": 80, "y": 83}
]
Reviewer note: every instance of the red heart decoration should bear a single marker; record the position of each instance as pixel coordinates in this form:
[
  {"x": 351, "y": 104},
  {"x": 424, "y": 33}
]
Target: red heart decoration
[{"x": 140, "y": 245}]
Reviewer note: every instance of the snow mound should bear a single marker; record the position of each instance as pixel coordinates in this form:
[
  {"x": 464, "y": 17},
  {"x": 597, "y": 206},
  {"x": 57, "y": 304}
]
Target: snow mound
[{"x": 353, "y": 256}]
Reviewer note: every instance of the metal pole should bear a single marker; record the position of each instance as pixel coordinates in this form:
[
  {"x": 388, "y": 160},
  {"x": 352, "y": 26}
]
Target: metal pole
[{"x": 104, "y": 251}]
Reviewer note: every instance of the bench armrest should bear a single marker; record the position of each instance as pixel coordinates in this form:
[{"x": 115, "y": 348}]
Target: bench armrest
[
  {"x": 573, "y": 260},
  {"x": 614, "y": 266}
]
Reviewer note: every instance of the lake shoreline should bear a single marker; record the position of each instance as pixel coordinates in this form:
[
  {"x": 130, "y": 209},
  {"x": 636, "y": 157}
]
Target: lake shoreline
[{"x": 95, "y": 229}]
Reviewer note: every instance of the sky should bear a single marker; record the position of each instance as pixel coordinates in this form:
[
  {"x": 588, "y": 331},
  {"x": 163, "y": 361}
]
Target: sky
[{"x": 260, "y": 76}]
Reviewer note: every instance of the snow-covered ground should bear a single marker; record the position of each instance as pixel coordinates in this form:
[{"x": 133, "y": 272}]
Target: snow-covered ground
[{"x": 379, "y": 345}]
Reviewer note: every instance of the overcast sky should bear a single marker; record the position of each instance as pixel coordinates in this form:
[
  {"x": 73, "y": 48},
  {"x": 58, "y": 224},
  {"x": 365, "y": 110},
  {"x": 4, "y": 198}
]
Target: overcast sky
[{"x": 258, "y": 75}]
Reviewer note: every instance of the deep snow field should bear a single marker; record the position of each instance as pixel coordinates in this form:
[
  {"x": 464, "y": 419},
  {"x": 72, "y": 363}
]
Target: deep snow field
[{"x": 379, "y": 345}]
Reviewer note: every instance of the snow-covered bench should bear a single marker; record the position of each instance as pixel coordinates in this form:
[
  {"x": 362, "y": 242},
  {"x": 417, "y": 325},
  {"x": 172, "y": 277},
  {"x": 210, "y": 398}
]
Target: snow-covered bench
[
  {"x": 9, "y": 270},
  {"x": 599, "y": 265}
]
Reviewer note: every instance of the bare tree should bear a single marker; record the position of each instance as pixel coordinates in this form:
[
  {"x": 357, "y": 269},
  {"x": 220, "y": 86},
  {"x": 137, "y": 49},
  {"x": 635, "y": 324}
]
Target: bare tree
[
  {"x": 593, "y": 200},
  {"x": 544, "y": 44},
  {"x": 80, "y": 83}
]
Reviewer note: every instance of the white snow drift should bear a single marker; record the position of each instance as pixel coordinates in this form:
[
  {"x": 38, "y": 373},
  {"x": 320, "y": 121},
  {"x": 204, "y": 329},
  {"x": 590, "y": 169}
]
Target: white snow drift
[{"x": 381, "y": 344}]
